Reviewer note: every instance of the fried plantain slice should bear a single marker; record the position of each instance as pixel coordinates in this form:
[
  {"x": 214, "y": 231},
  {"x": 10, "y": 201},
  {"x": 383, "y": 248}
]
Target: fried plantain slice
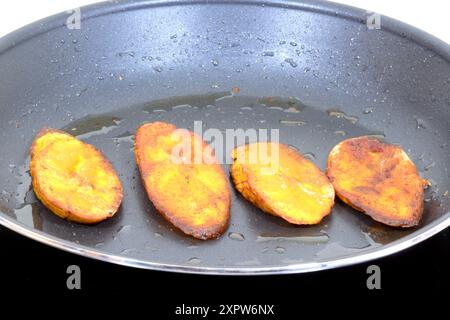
[
  {"x": 280, "y": 181},
  {"x": 378, "y": 179},
  {"x": 73, "y": 179},
  {"x": 183, "y": 179}
]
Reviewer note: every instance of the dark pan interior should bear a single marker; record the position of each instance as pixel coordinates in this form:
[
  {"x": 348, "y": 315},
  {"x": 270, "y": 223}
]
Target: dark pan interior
[{"x": 312, "y": 70}]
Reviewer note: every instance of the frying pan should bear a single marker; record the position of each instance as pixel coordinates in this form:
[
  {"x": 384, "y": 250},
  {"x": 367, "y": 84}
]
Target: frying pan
[{"x": 314, "y": 70}]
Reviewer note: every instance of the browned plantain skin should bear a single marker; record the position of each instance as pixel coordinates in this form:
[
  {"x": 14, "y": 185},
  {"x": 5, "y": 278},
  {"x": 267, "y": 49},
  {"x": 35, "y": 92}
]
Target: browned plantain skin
[
  {"x": 73, "y": 179},
  {"x": 378, "y": 179},
  {"x": 287, "y": 185},
  {"x": 194, "y": 195}
]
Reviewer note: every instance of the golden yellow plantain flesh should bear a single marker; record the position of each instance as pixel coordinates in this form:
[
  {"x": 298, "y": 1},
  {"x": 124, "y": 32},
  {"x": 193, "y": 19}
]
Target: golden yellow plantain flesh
[
  {"x": 73, "y": 179},
  {"x": 280, "y": 181}
]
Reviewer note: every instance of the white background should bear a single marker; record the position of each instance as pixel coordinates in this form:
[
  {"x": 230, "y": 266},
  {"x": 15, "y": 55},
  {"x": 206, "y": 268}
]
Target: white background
[{"x": 430, "y": 15}]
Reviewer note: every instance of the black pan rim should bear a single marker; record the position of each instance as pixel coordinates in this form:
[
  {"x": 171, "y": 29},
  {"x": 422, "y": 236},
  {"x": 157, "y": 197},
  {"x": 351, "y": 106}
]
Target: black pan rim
[
  {"x": 104, "y": 8},
  {"x": 321, "y": 7}
]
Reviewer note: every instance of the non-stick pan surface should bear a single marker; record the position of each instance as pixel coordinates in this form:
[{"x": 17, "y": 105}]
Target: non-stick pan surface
[{"x": 313, "y": 70}]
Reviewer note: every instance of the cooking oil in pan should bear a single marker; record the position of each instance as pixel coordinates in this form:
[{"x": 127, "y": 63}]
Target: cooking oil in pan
[
  {"x": 342, "y": 115},
  {"x": 321, "y": 237},
  {"x": 27, "y": 210},
  {"x": 236, "y": 236},
  {"x": 309, "y": 130}
]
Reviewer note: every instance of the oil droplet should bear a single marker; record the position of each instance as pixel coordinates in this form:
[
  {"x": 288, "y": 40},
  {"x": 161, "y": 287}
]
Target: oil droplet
[
  {"x": 429, "y": 166},
  {"x": 276, "y": 108},
  {"x": 293, "y": 122},
  {"x": 294, "y": 147},
  {"x": 236, "y": 236},
  {"x": 128, "y": 251},
  {"x": 214, "y": 62},
  {"x": 182, "y": 106},
  {"x": 280, "y": 250},
  {"x": 342, "y": 115},
  {"x": 124, "y": 229},
  {"x": 368, "y": 110},
  {"x": 79, "y": 93},
  {"x": 291, "y": 62},
  {"x": 194, "y": 260},
  {"x": 268, "y": 54},
  {"x": 340, "y": 133},
  {"x": 126, "y": 53},
  {"x": 420, "y": 123},
  {"x": 309, "y": 156},
  {"x": 320, "y": 238},
  {"x": 291, "y": 110},
  {"x": 377, "y": 135}
]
